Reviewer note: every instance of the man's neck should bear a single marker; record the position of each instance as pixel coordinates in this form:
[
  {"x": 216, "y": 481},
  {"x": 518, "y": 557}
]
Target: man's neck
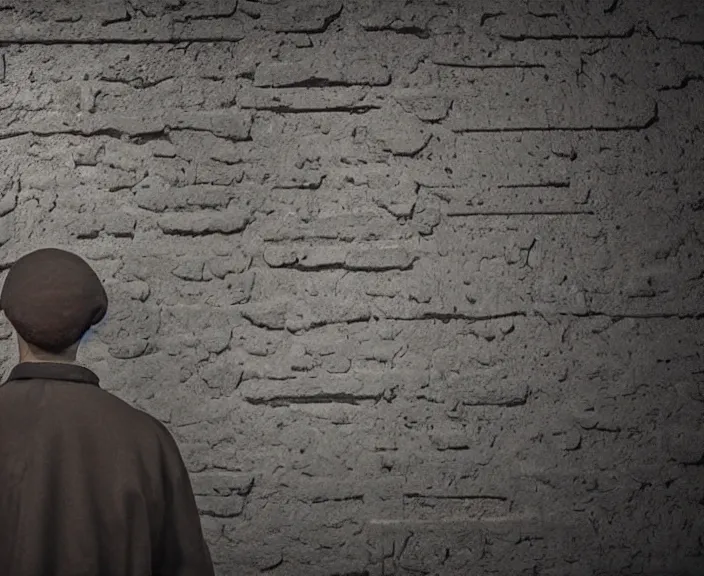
[
  {"x": 53, "y": 360},
  {"x": 28, "y": 355},
  {"x": 31, "y": 353}
]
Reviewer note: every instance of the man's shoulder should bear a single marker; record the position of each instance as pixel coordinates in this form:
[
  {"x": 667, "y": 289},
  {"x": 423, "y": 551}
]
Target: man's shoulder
[
  {"x": 138, "y": 416},
  {"x": 137, "y": 420},
  {"x": 151, "y": 435}
]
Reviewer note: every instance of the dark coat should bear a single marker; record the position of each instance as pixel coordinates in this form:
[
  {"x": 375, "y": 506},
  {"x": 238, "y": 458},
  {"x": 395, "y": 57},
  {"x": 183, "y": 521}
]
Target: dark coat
[{"x": 90, "y": 486}]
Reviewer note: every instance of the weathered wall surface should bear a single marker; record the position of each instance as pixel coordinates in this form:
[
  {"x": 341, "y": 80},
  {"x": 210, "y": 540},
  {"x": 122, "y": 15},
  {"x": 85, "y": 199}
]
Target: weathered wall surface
[{"x": 418, "y": 286}]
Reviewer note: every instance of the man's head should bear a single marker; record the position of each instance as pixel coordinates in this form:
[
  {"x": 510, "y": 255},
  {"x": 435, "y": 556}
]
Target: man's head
[{"x": 52, "y": 297}]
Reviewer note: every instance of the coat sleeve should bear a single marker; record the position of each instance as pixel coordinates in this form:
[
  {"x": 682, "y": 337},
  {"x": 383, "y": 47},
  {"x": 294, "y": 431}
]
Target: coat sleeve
[{"x": 183, "y": 550}]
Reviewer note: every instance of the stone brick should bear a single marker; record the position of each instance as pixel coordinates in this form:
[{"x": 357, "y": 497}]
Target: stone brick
[
  {"x": 296, "y": 100},
  {"x": 426, "y": 212},
  {"x": 218, "y": 483},
  {"x": 231, "y": 124},
  {"x": 138, "y": 320},
  {"x": 86, "y": 226},
  {"x": 399, "y": 199},
  {"x": 379, "y": 259},
  {"x": 128, "y": 348},
  {"x": 156, "y": 195},
  {"x": 204, "y": 222},
  {"x": 7, "y": 229},
  {"x": 368, "y": 259},
  {"x": 326, "y": 310},
  {"x": 277, "y": 256},
  {"x": 330, "y": 389},
  {"x": 59, "y": 122},
  {"x": 427, "y": 108},
  {"x": 190, "y": 270},
  {"x": 221, "y": 506},
  {"x": 320, "y": 490},
  {"x": 545, "y": 22},
  {"x": 137, "y": 290},
  {"x": 401, "y": 135},
  {"x": 106, "y": 13},
  {"x": 336, "y": 364},
  {"x": 292, "y": 16},
  {"x": 221, "y": 376},
  {"x": 413, "y": 18},
  {"x": 540, "y": 197},
  {"x": 240, "y": 286},
  {"x": 8, "y": 201},
  {"x": 299, "y": 179},
  {"x": 313, "y": 73},
  {"x": 666, "y": 22},
  {"x": 513, "y": 394},
  {"x": 343, "y": 227},
  {"x": 235, "y": 263},
  {"x": 488, "y": 107},
  {"x": 120, "y": 224},
  {"x": 271, "y": 314},
  {"x": 422, "y": 545},
  {"x": 90, "y": 28},
  {"x": 198, "y": 10},
  {"x": 313, "y": 257},
  {"x": 234, "y": 125}
]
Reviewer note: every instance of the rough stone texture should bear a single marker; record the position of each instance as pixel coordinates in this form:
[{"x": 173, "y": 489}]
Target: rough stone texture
[{"x": 418, "y": 286}]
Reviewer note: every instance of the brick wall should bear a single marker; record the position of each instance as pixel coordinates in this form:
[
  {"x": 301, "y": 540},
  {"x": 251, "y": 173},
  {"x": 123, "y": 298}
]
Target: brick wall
[{"x": 418, "y": 286}]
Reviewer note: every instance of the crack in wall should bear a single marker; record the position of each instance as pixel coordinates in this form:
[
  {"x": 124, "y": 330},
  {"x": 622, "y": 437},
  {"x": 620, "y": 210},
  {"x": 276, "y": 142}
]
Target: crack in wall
[
  {"x": 465, "y": 213},
  {"x": 683, "y": 83},
  {"x": 454, "y": 496},
  {"x": 322, "y": 398},
  {"x": 409, "y": 30},
  {"x": 517, "y": 66},
  {"x": 121, "y": 41},
  {"x": 595, "y": 128},
  {"x": 560, "y": 37}
]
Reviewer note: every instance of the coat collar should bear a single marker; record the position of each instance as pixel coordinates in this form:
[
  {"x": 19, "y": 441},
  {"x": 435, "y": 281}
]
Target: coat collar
[{"x": 53, "y": 371}]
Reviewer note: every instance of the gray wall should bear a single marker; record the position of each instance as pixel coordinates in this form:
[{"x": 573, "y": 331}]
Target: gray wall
[{"x": 417, "y": 286}]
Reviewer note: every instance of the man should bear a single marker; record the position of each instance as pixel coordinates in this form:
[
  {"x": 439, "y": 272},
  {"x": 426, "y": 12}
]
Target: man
[{"x": 89, "y": 486}]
